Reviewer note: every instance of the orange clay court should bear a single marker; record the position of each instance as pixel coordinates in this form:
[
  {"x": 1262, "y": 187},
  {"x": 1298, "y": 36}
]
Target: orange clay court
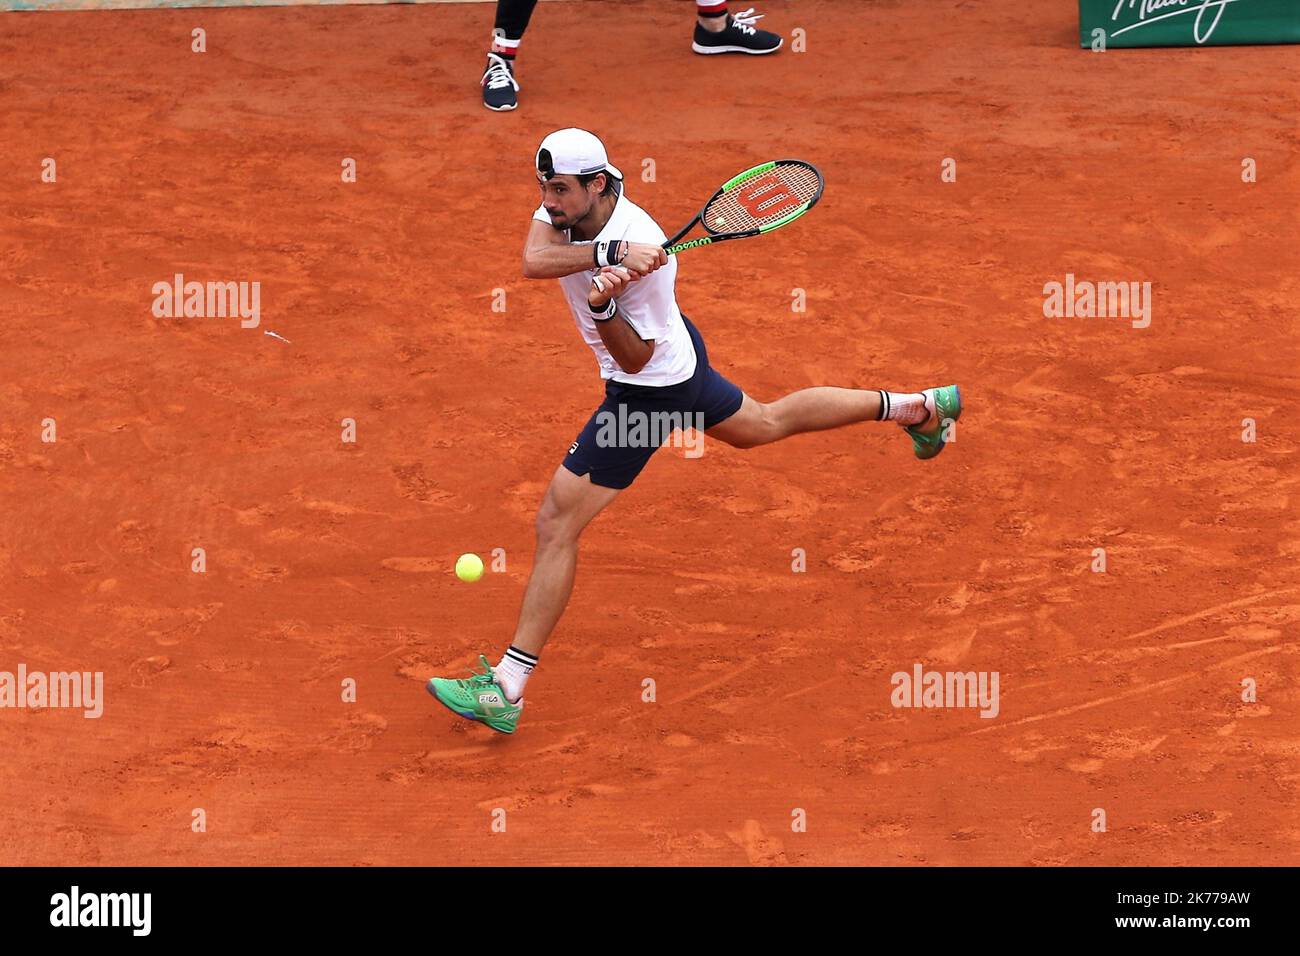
[{"x": 327, "y": 560}]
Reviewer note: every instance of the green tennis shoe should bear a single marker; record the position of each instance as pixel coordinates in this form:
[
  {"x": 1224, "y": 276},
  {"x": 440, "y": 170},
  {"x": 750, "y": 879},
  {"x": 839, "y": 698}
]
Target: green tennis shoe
[
  {"x": 928, "y": 439},
  {"x": 478, "y": 698}
]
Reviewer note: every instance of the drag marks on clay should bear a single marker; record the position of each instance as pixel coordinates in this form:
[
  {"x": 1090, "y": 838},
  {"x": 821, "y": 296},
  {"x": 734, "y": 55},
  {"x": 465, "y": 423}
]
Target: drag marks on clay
[
  {"x": 857, "y": 558},
  {"x": 783, "y": 501},
  {"x": 952, "y": 604},
  {"x": 414, "y": 565},
  {"x": 252, "y": 517},
  {"x": 1247, "y": 633},
  {"x": 12, "y": 621},
  {"x": 1031, "y": 746},
  {"x": 284, "y": 631},
  {"x": 336, "y": 512},
  {"x": 1205, "y": 613},
  {"x": 266, "y": 572},
  {"x": 952, "y": 651},
  {"x": 227, "y": 751},
  {"x": 896, "y": 836},
  {"x": 523, "y": 498},
  {"x": 79, "y": 843},
  {"x": 1281, "y": 615},
  {"x": 678, "y": 846},
  {"x": 571, "y": 796},
  {"x": 1096, "y": 752},
  {"x": 760, "y": 848},
  {"x": 434, "y": 765},
  {"x": 169, "y": 626},
  {"x": 146, "y": 670},
  {"x": 407, "y": 638},
  {"x": 885, "y": 753},
  {"x": 354, "y": 733},
  {"x": 1145, "y": 689},
  {"x": 1124, "y": 745},
  {"x": 333, "y": 508},
  {"x": 933, "y": 299},
  {"x": 570, "y": 745},
  {"x": 811, "y": 687},
  {"x": 732, "y": 673},
  {"x": 413, "y": 485}
]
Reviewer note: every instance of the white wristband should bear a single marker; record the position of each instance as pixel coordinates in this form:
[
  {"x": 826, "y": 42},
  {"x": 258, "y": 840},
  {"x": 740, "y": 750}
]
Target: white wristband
[{"x": 606, "y": 253}]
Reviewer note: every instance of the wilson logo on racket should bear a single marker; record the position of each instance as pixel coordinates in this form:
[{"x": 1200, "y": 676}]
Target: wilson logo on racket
[
  {"x": 766, "y": 197},
  {"x": 759, "y": 200}
]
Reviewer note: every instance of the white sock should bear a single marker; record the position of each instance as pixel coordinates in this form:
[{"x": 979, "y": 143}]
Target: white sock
[
  {"x": 903, "y": 407},
  {"x": 512, "y": 673}
]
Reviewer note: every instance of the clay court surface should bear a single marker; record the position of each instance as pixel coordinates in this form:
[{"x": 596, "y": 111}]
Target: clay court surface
[{"x": 327, "y": 561}]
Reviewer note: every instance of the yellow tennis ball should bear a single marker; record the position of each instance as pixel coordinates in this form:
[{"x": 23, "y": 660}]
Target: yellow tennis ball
[{"x": 469, "y": 567}]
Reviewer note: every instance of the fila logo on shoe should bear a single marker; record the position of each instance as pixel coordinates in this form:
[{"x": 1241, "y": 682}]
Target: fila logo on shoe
[{"x": 489, "y": 698}]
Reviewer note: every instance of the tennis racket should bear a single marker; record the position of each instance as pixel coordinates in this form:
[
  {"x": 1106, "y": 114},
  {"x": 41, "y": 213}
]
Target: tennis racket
[{"x": 757, "y": 201}]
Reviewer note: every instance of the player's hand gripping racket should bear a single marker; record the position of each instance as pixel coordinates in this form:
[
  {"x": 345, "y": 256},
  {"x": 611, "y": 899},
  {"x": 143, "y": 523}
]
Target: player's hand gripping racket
[{"x": 757, "y": 201}]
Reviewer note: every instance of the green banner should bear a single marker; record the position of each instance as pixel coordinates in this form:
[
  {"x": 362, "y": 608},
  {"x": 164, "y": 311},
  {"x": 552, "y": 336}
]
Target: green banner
[{"x": 1129, "y": 23}]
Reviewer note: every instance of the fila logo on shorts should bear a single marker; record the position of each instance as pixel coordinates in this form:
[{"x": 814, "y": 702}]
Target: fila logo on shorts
[{"x": 573, "y": 448}]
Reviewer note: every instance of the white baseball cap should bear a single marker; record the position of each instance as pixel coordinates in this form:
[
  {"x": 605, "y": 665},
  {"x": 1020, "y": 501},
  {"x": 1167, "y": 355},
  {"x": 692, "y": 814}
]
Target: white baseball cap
[{"x": 573, "y": 152}]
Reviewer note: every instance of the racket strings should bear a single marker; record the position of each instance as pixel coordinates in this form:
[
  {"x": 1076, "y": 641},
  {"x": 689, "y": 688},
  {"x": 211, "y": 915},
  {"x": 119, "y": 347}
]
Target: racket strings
[{"x": 763, "y": 200}]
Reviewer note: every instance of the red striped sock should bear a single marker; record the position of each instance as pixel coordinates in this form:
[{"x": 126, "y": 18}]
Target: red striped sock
[
  {"x": 711, "y": 8},
  {"x": 504, "y": 47}
]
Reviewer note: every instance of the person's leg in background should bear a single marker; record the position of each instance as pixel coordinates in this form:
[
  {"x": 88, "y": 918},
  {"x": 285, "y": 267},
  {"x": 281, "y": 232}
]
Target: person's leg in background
[
  {"x": 500, "y": 88},
  {"x": 718, "y": 31}
]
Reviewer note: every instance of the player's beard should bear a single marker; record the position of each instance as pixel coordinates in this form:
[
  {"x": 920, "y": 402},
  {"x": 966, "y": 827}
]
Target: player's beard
[{"x": 574, "y": 223}]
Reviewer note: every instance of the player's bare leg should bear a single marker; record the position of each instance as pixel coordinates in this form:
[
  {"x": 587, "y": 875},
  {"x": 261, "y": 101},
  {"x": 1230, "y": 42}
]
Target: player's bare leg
[
  {"x": 926, "y": 415},
  {"x": 808, "y": 410},
  {"x": 569, "y": 506}
]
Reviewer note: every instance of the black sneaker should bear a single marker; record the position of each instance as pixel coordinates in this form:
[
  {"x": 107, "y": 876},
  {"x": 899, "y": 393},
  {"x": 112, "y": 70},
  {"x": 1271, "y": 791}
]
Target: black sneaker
[
  {"x": 499, "y": 86},
  {"x": 739, "y": 36}
]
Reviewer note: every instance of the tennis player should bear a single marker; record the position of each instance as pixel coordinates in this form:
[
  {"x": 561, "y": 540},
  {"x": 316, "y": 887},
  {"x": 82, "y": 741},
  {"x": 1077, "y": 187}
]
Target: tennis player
[
  {"x": 621, "y": 288},
  {"x": 716, "y": 31}
]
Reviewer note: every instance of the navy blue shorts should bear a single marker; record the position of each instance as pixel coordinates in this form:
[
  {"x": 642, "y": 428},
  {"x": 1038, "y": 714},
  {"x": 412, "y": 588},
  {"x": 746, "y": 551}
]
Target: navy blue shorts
[{"x": 634, "y": 420}]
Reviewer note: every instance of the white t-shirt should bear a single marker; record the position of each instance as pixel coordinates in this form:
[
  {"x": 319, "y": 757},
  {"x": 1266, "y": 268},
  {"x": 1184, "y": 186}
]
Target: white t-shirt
[{"x": 648, "y": 304}]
